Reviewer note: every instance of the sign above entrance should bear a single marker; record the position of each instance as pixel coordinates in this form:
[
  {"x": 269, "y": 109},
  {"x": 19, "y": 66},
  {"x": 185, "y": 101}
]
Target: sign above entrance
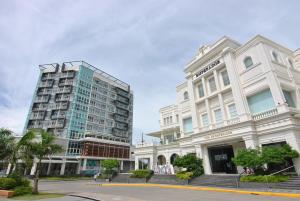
[
  {"x": 217, "y": 135},
  {"x": 207, "y": 68}
]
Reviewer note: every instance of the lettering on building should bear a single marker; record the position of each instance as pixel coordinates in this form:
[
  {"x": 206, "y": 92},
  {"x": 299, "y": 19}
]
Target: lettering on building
[
  {"x": 217, "y": 135},
  {"x": 207, "y": 68}
]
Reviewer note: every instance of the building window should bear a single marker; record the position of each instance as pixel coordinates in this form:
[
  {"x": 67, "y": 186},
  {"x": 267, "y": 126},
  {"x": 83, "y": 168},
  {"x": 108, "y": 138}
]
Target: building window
[
  {"x": 185, "y": 95},
  {"x": 201, "y": 90},
  {"x": 205, "y": 120},
  {"x": 218, "y": 116},
  {"x": 212, "y": 84},
  {"x": 261, "y": 102},
  {"x": 291, "y": 63},
  {"x": 188, "y": 125},
  {"x": 275, "y": 56},
  {"x": 248, "y": 62},
  {"x": 289, "y": 98},
  {"x": 232, "y": 111},
  {"x": 225, "y": 78}
]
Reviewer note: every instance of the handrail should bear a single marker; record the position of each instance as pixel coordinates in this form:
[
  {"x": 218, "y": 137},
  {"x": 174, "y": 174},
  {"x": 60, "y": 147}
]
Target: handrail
[
  {"x": 268, "y": 184},
  {"x": 281, "y": 170}
]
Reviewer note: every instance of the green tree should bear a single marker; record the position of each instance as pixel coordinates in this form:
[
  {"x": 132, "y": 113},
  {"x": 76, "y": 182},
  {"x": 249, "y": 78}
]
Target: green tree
[
  {"x": 191, "y": 163},
  {"x": 278, "y": 155},
  {"x": 250, "y": 158},
  {"x": 8, "y": 147},
  {"x": 109, "y": 165},
  {"x": 37, "y": 144}
]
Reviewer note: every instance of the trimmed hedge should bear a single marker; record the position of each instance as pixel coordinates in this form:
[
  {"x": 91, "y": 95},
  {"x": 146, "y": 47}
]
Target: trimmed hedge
[
  {"x": 7, "y": 183},
  {"x": 184, "y": 175},
  {"x": 22, "y": 190},
  {"x": 141, "y": 174},
  {"x": 264, "y": 178}
]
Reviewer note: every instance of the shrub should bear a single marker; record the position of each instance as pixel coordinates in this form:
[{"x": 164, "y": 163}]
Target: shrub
[
  {"x": 7, "y": 183},
  {"x": 141, "y": 173},
  {"x": 20, "y": 180},
  {"x": 191, "y": 163},
  {"x": 109, "y": 164},
  {"x": 255, "y": 159},
  {"x": 264, "y": 179},
  {"x": 22, "y": 190},
  {"x": 248, "y": 158},
  {"x": 184, "y": 175}
]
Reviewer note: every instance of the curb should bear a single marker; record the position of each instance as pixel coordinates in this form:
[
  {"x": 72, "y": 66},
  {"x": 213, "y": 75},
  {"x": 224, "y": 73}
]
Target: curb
[{"x": 291, "y": 195}]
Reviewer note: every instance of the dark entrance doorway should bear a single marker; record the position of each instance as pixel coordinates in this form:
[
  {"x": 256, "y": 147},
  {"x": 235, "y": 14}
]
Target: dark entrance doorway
[{"x": 220, "y": 159}]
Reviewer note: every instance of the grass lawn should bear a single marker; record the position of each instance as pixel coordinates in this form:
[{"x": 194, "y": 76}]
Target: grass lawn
[{"x": 37, "y": 196}]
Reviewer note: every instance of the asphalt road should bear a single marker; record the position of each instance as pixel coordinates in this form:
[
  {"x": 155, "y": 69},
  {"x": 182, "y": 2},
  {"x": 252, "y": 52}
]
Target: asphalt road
[{"x": 114, "y": 193}]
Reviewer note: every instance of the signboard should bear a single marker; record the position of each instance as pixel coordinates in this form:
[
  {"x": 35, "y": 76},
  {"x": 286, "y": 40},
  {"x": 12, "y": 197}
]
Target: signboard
[
  {"x": 207, "y": 68},
  {"x": 217, "y": 135}
]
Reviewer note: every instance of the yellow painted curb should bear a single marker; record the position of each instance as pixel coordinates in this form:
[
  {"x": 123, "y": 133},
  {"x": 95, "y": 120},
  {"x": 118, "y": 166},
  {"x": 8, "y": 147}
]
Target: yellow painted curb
[{"x": 291, "y": 195}]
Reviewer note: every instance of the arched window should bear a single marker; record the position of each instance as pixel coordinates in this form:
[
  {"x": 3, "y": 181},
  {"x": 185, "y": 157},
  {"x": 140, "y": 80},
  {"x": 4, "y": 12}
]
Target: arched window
[
  {"x": 186, "y": 95},
  {"x": 275, "y": 56},
  {"x": 248, "y": 62}
]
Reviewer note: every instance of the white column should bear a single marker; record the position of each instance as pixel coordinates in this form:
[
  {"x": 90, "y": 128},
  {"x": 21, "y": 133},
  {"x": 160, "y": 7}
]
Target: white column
[
  {"x": 84, "y": 164},
  {"x": 63, "y": 167},
  {"x": 136, "y": 160},
  {"x": 8, "y": 168},
  {"x": 33, "y": 168},
  {"x": 251, "y": 142},
  {"x": 206, "y": 163},
  {"x": 49, "y": 168},
  {"x": 190, "y": 86},
  {"x": 121, "y": 165},
  {"x": 78, "y": 167},
  {"x": 222, "y": 107},
  {"x": 293, "y": 140},
  {"x": 199, "y": 153}
]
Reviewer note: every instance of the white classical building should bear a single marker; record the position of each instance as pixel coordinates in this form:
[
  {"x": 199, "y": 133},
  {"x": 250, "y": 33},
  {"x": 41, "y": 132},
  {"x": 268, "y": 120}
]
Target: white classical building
[{"x": 234, "y": 96}]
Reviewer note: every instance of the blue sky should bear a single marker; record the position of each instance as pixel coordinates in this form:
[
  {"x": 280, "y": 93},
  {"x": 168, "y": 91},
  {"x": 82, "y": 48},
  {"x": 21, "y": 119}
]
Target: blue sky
[{"x": 145, "y": 43}]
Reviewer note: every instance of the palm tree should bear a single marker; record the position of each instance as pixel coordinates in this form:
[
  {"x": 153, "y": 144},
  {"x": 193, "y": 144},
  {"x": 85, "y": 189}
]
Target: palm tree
[
  {"x": 37, "y": 144},
  {"x": 8, "y": 147}
]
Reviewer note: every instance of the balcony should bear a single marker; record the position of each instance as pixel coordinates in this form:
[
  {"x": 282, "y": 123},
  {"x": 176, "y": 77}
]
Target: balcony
[
  {"x": 265, "y": 114},
  {"x": 61, "y": 98},
  {"x": 65, "y": 89},
  {"x": 58, "y": 115},
  {"x": 44, "y": 91},
  {"x": 38, "y": 115},
  {"x": 47, "y": 84},
  {"x": 61, "y": 106},
  {"x": 39, "y": 107},
  {"x": 65, "y": 82},
  {"x": 48, "y": 76},
  {"x": 123, "y": 93},
  {"x": 43, "y": 99},
  {"x": 68, "y": 74},
  {"x": 56, "y": 123}
]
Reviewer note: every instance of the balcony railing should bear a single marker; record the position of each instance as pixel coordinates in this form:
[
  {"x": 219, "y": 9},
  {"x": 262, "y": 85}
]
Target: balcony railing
[{"x": 265, "y": 114}]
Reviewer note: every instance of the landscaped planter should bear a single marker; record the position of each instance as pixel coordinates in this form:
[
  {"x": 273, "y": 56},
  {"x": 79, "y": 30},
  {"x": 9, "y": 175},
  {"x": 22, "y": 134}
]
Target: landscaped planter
[
  {"x": 137, "y": 180},
  {"x": 6, "y": 193}
]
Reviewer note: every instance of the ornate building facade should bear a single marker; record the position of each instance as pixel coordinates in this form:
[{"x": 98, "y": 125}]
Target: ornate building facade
[{"x": 234, "y": 96}]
